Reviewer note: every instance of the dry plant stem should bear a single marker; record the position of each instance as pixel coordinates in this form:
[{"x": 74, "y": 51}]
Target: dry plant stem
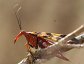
[
  {"x": 71, "y": 35},
  {"x": 54, "y": 50},
  {"x": 75, "y": 45}
]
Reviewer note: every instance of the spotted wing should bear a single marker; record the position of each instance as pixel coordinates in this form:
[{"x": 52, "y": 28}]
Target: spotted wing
[{"x": 51, "y": 36}]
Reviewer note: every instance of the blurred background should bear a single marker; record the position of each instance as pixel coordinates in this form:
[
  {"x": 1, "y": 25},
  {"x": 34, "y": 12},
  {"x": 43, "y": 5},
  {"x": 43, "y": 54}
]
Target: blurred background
[{"x": 58, "y": 16}]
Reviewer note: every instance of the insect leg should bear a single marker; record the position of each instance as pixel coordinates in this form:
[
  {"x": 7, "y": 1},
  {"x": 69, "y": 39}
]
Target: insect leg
[{"x": 17, "y": 37}]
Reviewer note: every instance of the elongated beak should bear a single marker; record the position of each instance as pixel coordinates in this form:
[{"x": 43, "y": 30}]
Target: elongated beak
[{"x": 17, "y": 37}]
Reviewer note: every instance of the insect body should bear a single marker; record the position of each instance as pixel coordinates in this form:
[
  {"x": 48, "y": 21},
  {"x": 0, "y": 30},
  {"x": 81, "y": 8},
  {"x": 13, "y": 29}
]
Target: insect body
[{"x": 39, "y": 39}]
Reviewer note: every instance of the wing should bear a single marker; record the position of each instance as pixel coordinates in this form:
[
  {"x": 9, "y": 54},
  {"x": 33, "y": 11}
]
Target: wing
[
  {"x": 51, "y": 36},
  {"x": 47, "y": 39}
]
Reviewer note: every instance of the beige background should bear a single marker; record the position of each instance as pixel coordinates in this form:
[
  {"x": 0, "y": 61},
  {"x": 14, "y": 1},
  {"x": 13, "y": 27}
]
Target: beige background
[{"x": 59, "y": 16}]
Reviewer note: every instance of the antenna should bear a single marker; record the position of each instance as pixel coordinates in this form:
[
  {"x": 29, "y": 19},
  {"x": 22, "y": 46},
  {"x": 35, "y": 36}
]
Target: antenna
[{"x": 18, "y": 17}]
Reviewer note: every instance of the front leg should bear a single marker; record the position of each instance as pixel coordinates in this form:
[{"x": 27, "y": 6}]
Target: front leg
[{"x": 20, "y": 34}]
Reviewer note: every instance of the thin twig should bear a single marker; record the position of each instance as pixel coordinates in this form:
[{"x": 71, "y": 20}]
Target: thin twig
[{"x": 71, "y": 35}]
